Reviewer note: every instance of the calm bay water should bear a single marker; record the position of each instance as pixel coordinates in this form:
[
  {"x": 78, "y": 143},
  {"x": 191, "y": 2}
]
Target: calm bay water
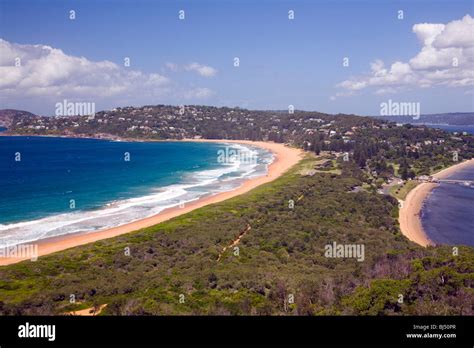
[
  {"x": 450, "y": 128},
  {"x": 448, "y": 212},
  {"x": 64, "y": 185}
]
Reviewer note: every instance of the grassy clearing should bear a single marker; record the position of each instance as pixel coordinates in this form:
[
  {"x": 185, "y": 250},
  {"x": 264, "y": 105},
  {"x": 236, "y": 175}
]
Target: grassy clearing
[{"x": 401, "y": 191}]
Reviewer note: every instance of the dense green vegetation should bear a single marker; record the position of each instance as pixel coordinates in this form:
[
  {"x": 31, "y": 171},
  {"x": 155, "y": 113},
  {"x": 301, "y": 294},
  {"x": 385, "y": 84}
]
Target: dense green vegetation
[
  {"x": 281, "y": 258},
  {"x": 280, "y": 266},
  {"x": 405, "y": 151},
  {"x": 189, "y": 121}
]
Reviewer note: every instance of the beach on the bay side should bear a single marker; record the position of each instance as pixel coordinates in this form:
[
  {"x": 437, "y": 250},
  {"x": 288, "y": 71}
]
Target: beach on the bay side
[
  {"x": 410, "y": 213},
  {"x": 284, "y": 158}
]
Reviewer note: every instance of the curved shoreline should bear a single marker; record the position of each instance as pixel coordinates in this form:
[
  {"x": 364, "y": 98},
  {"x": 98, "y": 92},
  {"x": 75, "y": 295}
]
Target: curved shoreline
[
  {"x": 409, "y": 214},
  {"x": 284, "y": 158}
]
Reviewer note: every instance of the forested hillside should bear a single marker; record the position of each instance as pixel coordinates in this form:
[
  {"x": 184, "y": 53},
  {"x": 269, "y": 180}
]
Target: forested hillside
[{"x": 279, "y": 267}]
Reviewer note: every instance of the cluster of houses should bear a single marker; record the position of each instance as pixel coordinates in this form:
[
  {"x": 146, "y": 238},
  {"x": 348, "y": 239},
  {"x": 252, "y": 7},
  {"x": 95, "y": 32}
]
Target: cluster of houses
[{"x": 184, "y": 122}]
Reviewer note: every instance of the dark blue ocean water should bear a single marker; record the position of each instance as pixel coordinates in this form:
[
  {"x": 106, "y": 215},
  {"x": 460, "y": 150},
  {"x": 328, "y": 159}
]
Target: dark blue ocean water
[
  {"x": 448, "y": 212},
  {"x": 64, "y": 185}
]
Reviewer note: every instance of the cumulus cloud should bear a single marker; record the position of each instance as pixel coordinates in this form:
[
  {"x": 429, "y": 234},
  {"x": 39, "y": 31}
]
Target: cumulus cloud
[
  {"x": 203, "y": 70},
  {"x": 48, "y": 74},
  {"x": 46, "y": 71},
  {"x": 446, "y": 58},
  {"x": 458, "y": 33}
]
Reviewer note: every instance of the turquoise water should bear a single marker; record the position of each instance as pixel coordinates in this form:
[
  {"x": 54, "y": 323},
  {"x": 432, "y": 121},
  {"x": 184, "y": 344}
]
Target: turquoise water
[{"x": 55, "y": 186}]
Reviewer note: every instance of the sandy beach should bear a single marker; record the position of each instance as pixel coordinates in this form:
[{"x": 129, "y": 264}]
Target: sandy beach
[
  {"x": 285, "y": 158},
  {"x": 409, "y": 217}
]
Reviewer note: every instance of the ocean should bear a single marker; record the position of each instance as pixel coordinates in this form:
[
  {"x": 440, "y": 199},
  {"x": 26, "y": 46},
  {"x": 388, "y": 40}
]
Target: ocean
[
  {"x": 56, "y": 186},
  {"x": 448, "y": 212}
]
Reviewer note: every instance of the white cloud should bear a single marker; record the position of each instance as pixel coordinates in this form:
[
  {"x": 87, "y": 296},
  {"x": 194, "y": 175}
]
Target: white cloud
[
  {"x": 203, "y": 70},
  {"x": 47, "y": 71},
  {"x": 341, "y": 94},
  {"x": 399, "y": 73},
  {"x": 46, "y": 75},
  {"x": 378, "y": 67},
  {"x": 458, "y": 33},
  {"x": 427, "y": 32},
  {"x": 446, "y": 58}
]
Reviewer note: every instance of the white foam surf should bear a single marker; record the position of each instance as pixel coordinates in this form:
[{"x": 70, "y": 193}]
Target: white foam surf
[{"x": 194, "y": 185}]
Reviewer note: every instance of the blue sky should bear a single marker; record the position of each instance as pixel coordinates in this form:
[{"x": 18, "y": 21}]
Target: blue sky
[{"x": 282, "y": 61}]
